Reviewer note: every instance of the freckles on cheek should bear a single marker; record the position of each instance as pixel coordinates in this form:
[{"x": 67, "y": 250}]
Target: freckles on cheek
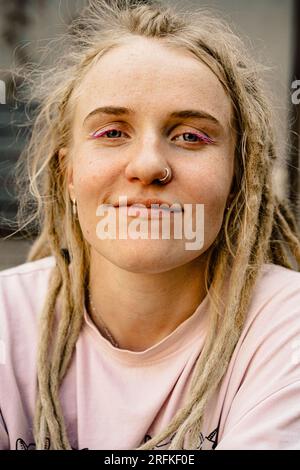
[
  {"x": 214, "y": 199},
  {"x": 213, "y": 194},
  {"x": 219, "y": 176},
  {"x": 202, "y": 187},
  {"x": 93, "y": 171},
  {"x": 85, "y": 177}
]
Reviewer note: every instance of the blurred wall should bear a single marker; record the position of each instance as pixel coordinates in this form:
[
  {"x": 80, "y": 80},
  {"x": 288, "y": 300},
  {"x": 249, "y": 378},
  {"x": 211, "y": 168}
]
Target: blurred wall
[{"x": 265, "y": 24}]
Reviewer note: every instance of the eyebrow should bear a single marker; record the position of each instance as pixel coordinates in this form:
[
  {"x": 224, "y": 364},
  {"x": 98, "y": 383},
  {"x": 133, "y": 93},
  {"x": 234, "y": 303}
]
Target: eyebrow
[{"x": 121, "y": 111}]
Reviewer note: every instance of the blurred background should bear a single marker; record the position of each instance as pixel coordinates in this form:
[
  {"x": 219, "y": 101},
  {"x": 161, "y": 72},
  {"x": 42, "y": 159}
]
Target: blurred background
[{"x": 271, "y": 29}]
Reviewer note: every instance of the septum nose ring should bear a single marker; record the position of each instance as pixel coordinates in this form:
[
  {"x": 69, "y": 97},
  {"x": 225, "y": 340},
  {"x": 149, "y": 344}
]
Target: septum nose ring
[{"x": 167, "y": 176}]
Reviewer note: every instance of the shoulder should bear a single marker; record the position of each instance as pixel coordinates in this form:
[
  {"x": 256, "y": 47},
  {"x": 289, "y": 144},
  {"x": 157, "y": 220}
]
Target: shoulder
[
  {"x": 22, "y": 293},
  {"x": 263, "y": 378},
  {"x": 277, "y": 291},
  {"x": 269, "y": 345},
  {"x": 23, "y": 290},
  {"x": 31, "y": 268},
  {"x": 274, "y": 271},
  {"x": 27, "y": 277}
]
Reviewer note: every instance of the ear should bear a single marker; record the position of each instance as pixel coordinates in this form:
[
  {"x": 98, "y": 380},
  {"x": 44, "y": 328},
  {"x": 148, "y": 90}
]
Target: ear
[{"x": 68, "y": 168}]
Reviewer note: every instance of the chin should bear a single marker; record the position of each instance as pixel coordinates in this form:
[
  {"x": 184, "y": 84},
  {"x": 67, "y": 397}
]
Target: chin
[{"x": 146, "y": 256}]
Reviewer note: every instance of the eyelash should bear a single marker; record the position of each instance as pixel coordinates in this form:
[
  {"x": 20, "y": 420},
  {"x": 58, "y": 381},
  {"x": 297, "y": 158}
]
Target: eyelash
[{"x": 203, "y": 138}]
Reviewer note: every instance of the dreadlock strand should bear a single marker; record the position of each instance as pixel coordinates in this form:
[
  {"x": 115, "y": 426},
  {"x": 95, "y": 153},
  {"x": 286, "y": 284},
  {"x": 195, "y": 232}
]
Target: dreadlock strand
[
  {"x": 290, "y": 236},
  {"x": 45, "y": 406},
  {"x": 70, "y": 329}
]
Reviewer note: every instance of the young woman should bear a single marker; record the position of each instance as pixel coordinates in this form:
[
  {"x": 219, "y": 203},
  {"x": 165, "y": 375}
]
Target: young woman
[{"x": 142, "y": 342}]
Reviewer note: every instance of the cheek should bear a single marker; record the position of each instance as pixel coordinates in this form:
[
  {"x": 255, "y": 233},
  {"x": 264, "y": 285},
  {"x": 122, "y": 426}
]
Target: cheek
[
  {"x": 91, "y": 176},
  {"x": 211, "y": 187},
  {"x": 215, "y": 193}
]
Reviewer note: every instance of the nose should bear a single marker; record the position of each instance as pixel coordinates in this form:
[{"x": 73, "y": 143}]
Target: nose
[{"x": 147, "y": 161}]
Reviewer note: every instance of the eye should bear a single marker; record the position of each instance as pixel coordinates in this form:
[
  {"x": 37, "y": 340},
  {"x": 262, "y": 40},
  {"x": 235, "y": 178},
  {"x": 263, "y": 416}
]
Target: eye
[
  {"x": 109, "y": 133},
  {"x": 195, "y": 137},
  {"x": 188, "y": 137}
]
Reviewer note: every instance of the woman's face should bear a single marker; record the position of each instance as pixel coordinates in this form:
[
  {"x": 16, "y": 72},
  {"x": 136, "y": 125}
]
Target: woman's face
[{"x": 115, "y": 154}]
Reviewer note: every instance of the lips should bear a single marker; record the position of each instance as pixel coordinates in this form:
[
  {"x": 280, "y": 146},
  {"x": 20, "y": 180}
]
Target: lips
[{"x": 138, "y": 202}]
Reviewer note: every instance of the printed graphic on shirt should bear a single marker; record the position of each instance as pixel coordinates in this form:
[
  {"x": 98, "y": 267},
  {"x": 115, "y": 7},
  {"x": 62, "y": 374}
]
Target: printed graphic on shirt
[
  {"x": 21, "y": 445},
  {"x": 208, "y": 442}
]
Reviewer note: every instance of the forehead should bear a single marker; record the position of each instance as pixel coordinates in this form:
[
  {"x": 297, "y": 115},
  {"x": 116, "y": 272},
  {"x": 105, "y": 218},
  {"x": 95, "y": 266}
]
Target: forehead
[{"x": 147, "y": 75}]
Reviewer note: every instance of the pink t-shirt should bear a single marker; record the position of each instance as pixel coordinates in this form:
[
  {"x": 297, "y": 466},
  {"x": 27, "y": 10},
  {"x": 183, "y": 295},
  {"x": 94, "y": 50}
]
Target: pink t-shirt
[{"x": 115, "y": 399}]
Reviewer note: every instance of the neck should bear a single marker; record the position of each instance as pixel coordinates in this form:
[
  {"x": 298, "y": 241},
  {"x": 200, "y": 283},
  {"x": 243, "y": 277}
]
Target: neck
[{"x": 140, "y": 309}]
